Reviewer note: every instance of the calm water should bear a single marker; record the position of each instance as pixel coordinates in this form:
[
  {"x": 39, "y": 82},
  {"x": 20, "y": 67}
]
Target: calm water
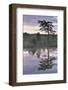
[{"x": 36, "y": 61}]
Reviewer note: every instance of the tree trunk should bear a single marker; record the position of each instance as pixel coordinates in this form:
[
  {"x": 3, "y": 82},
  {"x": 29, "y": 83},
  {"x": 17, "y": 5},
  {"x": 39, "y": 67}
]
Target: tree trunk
[{"x": 48, "y": 45}]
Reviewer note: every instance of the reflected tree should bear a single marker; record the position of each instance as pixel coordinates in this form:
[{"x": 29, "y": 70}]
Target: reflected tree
[
  {"x": 32, "y": 51},
  {"x": 38, "y": 52},
  {"x": 45, "y": 65}
]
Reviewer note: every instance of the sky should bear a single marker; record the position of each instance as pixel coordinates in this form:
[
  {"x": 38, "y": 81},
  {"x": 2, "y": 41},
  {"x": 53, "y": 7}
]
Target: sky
[{"x": 31, "y": 25}]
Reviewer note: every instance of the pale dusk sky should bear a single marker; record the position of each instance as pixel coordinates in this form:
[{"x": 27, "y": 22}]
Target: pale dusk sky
[{"x": 31, "y": 24}]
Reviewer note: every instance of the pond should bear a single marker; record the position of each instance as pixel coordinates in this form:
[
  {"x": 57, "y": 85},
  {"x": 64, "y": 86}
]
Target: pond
[{"x": 35, "y": 61}]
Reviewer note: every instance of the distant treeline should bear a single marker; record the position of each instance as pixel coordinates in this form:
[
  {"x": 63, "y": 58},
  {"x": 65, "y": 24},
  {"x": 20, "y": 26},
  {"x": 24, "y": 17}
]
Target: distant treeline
[{"x": 39, "y": 40}]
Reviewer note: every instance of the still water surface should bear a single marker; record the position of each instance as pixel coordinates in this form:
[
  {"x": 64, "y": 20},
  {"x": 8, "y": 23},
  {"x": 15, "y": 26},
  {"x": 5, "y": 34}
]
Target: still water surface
[{"x": 35, "y": 61}]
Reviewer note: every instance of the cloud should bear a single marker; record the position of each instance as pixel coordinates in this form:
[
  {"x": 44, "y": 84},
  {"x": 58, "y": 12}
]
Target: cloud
[
  {"x": 33, "y": 19},
  {"x": 31, "y": 24}
]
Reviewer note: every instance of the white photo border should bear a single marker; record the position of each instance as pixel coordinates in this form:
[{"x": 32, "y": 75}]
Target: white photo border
[{"x": 38, "y": 77}]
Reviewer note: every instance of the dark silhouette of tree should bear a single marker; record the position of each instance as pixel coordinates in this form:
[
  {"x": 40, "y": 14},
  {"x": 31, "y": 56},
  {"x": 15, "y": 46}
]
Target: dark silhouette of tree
[
  {"x": 45, "y": 65},
  {"x": 25, "y": 34},
  {"x": 47, "y": 27},
  {"x": 38, "y": 36}
]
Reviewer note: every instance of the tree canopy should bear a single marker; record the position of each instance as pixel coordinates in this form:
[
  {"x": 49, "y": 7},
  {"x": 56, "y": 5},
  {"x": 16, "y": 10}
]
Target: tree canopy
[{"x": 46, "y": 26}]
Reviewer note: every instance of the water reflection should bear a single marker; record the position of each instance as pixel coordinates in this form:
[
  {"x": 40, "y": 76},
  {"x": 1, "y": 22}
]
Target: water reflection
[
  {"x": 41, "y": 54},
  {"x": 46, "y": 64}
]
